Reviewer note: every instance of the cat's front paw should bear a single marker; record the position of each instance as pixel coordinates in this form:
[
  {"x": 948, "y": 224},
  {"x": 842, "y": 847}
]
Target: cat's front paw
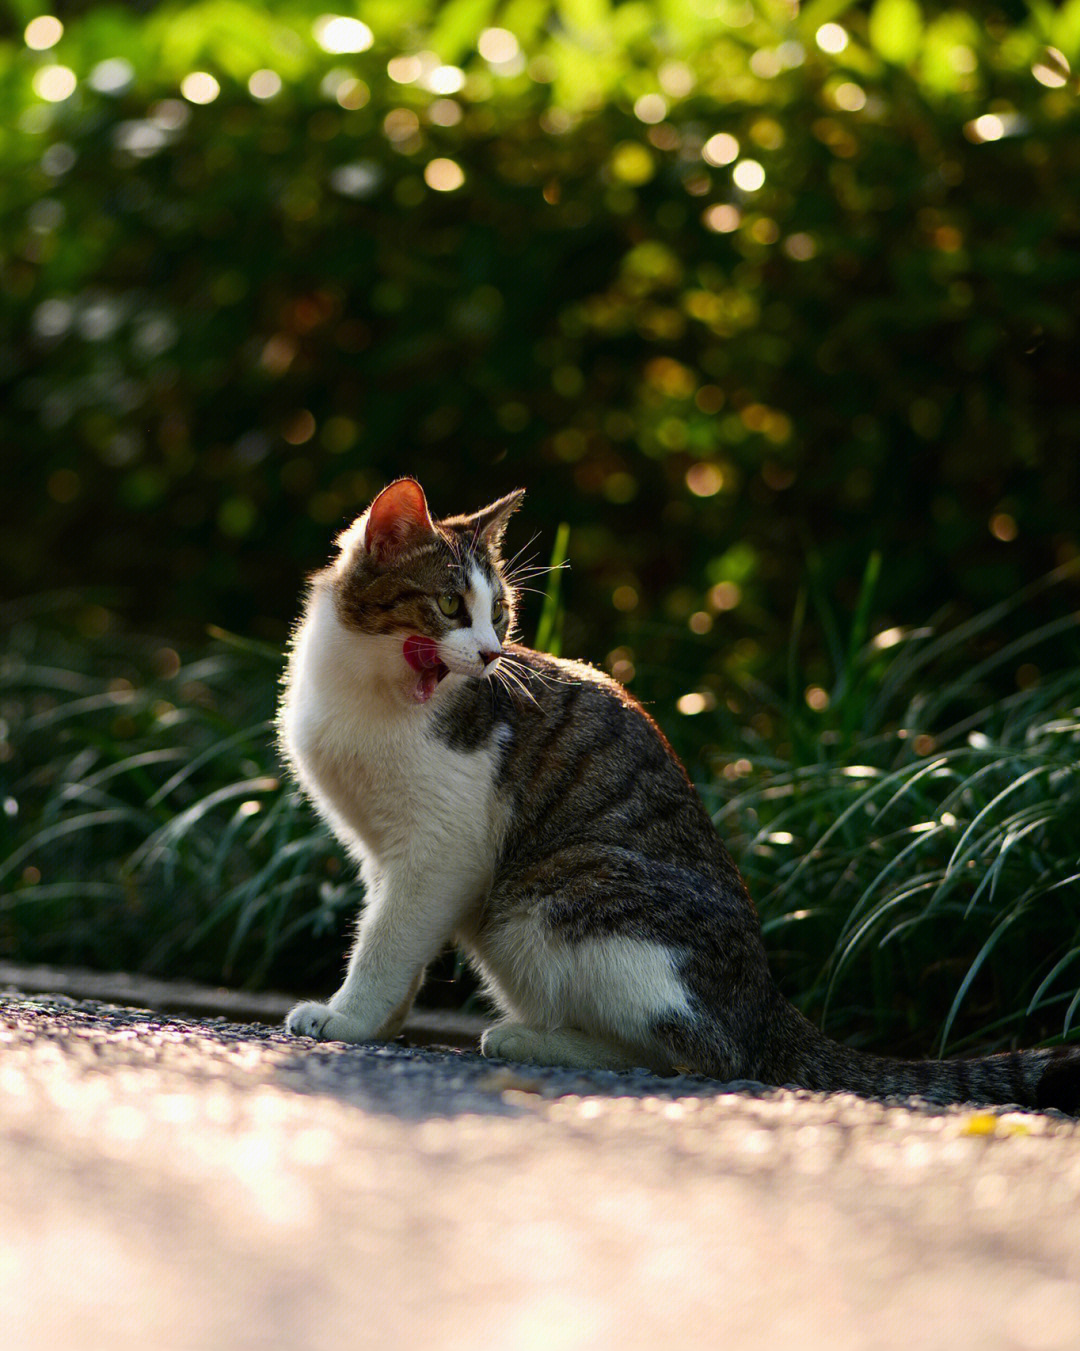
[{"x": 321, "y": 1022}]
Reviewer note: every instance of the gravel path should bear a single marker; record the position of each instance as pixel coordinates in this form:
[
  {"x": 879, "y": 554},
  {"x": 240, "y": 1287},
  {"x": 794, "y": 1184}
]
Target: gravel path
[{"x": 169, "y": 1182}]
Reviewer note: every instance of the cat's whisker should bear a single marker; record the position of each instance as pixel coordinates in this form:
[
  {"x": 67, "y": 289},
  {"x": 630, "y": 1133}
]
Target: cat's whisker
[
  {"x": 511, "y": 680},
  {"x": 530, "y": 574},
  {"x": 533, "y": 590},
  {"x": 517, "y": 677},
  {"x": 501, "y": 672},
  {"x": 529, "y": 564},
  {"x": 508, "y": 563},
  {"x": 548, "y": 678}
]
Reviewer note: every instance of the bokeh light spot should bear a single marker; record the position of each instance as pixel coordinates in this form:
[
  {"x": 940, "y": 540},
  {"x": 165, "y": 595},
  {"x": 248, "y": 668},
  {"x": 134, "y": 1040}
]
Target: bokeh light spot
[
  {"x": 766, "y": 63},
  {"x": 444, "y": 175},
  {"x": 405, "y": 69},
  {"x": 725, "y": 596},
  {"x": 1052, "y": 69},
  {"x": 300, "y": 428},
  {"x": 402, "y": 128},
  {"x": 43, "y": 32},
  {"x": 816, "y": 698},
  {"x": 200, "y": 87},
  {"x": 352, "y": 93},
  {"x": 705, "y": 479},
  {"x": 676, "y": 79},
  {"x": 264, "y": 84},
  {"x": 748, "y": 175},
  {"x": 445, "y": 80},
  {"x": 631, "y": 163},
  {"x": 620, "y": 487},
  {"x": 54, "y": 84},
  {"x": 849, "y": 96},
  {"x": 720, "y": 149},
  {"x": 800, "y": 246},
  {"x": 650, "y": 109},
  {"x": 498, "y": 46},
  {"x": 722, "y": 218},
  {"x": 112, "y": 76},
  {"x": 765, "y": 230},
  {"x": 831, "y": 38},
  {"x": 988, "y": 127},
  {"x": 445, "y": 113},
  {"x": 337, "y": 33}
]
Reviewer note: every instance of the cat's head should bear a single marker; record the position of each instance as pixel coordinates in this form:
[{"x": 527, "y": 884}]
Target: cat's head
[{"x": 433, "y": 591}]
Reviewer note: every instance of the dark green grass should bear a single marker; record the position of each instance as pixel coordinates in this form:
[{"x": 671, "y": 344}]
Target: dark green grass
[
  {"x": 146, "y": 825},
  {"x": 913, "y": 847}
]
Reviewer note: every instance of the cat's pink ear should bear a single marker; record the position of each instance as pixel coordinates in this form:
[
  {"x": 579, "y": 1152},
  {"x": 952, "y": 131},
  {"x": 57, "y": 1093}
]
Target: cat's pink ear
[{"x": 397, "y": 517}]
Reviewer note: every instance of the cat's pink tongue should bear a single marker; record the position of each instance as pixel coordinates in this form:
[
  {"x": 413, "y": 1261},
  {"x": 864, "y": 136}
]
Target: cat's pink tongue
[{"x": 422, "y": 654}]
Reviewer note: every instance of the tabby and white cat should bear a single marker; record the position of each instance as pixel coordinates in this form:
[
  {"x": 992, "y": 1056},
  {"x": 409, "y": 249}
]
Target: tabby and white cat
[{"x": 531, "y": 811}]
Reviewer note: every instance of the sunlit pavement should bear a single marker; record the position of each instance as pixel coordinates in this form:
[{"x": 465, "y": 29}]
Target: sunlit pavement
[{"x": 172, "y": 1183}]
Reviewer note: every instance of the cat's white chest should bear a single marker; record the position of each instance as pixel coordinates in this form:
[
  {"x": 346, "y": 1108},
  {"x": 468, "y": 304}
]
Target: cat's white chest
[{"x": 391, "y": 790}]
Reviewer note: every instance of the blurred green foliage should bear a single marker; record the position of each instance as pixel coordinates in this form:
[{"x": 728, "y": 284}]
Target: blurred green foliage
[{"x": 728, "y": 285}]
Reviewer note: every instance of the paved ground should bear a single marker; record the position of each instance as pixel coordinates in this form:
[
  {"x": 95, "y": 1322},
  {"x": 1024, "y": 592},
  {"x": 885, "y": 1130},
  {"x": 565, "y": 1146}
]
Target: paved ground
[{"x": 176, "y": 1183}]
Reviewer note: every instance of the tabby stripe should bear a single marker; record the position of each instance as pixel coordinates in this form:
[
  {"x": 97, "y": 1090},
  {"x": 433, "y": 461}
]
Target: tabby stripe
[
  {"x": 922, "y": 1073},
  {"x": 1018, "y": 1079},
  {"x": 558, "y": 793}
]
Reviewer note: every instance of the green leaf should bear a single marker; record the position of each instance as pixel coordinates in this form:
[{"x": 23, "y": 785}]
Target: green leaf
[
  {"x": 549, "y": 629},
  {"x": 458, "y": 26},
  {"x": 945, "y": 40},
  {"x": 896, "y": 29},
  {"x": 1066, "y": 29}
]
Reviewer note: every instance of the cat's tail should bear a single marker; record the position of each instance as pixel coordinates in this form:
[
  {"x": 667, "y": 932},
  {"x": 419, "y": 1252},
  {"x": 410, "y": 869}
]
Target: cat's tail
[{"x": 799, "y": 1053}]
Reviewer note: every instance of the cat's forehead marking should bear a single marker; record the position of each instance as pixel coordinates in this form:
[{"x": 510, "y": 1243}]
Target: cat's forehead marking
[{"x": 481, "y": 592}]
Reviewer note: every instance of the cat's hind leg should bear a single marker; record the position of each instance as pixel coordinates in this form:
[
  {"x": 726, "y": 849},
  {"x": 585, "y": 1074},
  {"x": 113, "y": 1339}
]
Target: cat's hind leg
[{"x": 564, "y": 1046}]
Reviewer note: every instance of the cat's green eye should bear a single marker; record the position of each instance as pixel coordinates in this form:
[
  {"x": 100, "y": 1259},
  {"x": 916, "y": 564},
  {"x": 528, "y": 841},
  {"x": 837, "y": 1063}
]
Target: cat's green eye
[
  {"x": 496, "y": 610},
  {"x": 450, "y": 604}
]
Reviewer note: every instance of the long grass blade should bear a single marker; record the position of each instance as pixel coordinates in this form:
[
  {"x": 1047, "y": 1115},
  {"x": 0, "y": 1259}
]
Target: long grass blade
[
  {"x": 972, "y": 971},
  {"x": 549, "y": 628}
]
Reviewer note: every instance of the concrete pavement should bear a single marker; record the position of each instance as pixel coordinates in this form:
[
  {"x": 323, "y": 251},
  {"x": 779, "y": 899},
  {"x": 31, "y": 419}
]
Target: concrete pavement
[{"x": 173, "y": 1183}]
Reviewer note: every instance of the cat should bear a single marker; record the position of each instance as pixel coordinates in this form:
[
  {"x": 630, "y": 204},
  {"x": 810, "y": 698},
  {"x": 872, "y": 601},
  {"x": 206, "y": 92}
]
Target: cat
[{"x": 530, "y": 810}]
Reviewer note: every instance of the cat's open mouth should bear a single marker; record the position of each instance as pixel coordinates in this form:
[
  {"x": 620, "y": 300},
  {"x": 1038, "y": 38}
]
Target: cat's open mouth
[{"x": 422, "y": 654}]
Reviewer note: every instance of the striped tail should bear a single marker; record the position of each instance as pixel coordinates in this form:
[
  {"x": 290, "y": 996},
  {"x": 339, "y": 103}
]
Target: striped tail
[{"x": 802, "y": 1055}]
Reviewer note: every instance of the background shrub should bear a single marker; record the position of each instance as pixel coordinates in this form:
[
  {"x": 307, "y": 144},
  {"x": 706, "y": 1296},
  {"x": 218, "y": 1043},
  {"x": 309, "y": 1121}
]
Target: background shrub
[{"x": 774, "y": 305}]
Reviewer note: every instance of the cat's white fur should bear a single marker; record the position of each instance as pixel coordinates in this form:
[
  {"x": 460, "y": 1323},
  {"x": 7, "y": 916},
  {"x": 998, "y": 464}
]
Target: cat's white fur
[
  {"x": 420, "y": 817},
  {"x": 426, "y": 825}
]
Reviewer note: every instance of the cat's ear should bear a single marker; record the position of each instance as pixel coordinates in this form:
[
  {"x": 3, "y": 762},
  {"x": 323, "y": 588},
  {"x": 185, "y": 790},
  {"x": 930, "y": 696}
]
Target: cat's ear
[
  {"x": 489, "y": 523},
  {"x": 396, "y": 519}
]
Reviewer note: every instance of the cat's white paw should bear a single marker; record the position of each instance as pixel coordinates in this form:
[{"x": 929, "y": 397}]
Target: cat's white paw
[
  {"x": 509, "y": 1041},
  {"x": 321, "y": 1022},
  {"x": 565, "y": 1046}
]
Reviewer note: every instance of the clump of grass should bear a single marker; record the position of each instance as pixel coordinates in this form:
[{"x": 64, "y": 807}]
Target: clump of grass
[
  {"x": 146, "y": 825},
  {"x": 912, "y": 847}
]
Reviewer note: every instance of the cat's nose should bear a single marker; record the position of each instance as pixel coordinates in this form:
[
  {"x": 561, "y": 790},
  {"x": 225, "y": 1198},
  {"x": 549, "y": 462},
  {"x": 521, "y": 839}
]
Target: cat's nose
[{"x": 488, "y": 657}]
